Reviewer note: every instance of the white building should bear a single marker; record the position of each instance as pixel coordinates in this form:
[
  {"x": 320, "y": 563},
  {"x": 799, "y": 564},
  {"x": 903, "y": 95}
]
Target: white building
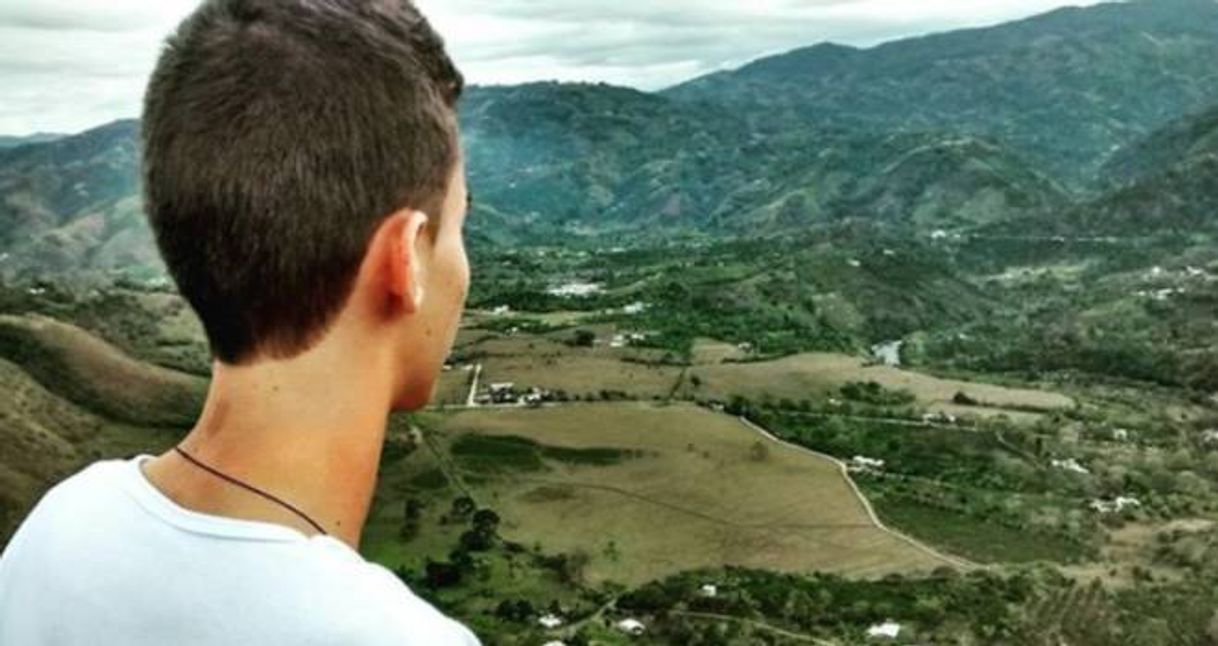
[
  {"x": 550, "y": 622},
  {"x": 886, "y": 630},
  {"x": 1115, "y": 506},
  {"x": 1070, "y": 465},
  {"x": 631, "y": 626},
  {"x": 939, "y": 418},
  {"x": 710, "y": 590},
  {"x": 502, "y": 310},
  {"x": 635, "y": 309},
  {"x": 863, "y": 463},
  {"x": 576, "y": 289}
]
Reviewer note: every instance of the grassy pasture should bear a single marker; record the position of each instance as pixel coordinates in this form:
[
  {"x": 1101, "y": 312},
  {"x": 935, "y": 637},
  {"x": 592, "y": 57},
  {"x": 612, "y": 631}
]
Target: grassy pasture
[
  {"x": 452, "y": 387},
  {"x": 712, "y": 351},
  {"x": 90, "y": 372},
  {"x": 45, "y": 438},
  {"x": 816, "y": 375},
  {"x": 646, "y": 491},
  {"x": 547, "y": 362}
]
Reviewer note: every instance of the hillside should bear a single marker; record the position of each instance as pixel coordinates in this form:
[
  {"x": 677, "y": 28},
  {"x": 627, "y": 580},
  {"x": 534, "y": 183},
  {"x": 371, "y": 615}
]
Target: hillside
[
  {"x": 1064, "y": 88},
  {"x": 1186, "y": 140},
  {"x": 7, "y": 141},
  {"x": 1164, "y": 183},
  {"x": 602, "y": 158},
  {"x": 987, "y": 128},
  {"x": 592, "y": 154},
  {"x": 73, "y": 203},
  {"x": 68, "y": 398}
]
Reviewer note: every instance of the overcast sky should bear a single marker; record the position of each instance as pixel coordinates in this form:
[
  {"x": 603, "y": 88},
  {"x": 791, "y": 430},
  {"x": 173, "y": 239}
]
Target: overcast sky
[{"x": 68, "y": 65}]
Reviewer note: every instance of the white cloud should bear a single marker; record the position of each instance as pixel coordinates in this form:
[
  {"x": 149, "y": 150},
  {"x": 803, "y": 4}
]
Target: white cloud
[{"x": 67, "y": 65}]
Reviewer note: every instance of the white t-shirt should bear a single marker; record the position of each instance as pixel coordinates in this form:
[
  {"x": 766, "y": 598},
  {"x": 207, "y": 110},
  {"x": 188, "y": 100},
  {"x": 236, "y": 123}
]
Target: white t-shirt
[{"x": 106, "y": 558}]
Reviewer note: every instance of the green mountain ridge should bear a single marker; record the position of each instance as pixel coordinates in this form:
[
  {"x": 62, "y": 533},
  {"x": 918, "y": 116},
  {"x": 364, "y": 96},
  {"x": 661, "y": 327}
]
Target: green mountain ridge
[
  {"x": 1163, "y": 184},
  {"x": 1064, "y": 88},
  {"x": 976, "y": 128},
  {"x": 7, "y": 141},
  {"x": 73, "y": 203},
  {"x": 1190, "y": 138}
]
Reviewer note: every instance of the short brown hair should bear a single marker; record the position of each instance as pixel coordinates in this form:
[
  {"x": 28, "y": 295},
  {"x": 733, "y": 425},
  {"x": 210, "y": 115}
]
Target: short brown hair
[{"x": 277, "y": 136}]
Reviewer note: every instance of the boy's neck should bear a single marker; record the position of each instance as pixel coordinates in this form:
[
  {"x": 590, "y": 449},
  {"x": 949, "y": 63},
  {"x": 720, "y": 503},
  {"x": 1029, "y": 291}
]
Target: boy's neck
[{"x": 308, "y": 431}]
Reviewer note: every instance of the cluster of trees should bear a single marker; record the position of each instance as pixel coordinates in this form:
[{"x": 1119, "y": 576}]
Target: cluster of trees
[
  {"x": 875, "y": 394},
  {"x": 481, "y": 536},
  {"x": 947, "y": 607}
]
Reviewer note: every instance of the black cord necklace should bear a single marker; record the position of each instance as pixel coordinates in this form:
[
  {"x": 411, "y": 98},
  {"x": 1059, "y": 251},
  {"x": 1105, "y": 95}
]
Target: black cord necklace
[{"x": 252, "y": 488}]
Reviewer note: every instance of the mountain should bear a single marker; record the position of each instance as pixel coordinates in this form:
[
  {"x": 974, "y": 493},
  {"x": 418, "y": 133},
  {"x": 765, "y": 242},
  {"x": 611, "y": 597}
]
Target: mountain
[
  {"x": 968, "y": 129},
  {"x": 1187, "y": 139},
  {"x": 596, "y": 157},
  {"x": 8, "y": 141},
  {"x": 1164, "y": 183},
  {"x": 1064, "y": 89},
  {"x": 1184, "y": 199},
  {"x": 73, "y": 203},
  {"x": 549, "y": 160}
]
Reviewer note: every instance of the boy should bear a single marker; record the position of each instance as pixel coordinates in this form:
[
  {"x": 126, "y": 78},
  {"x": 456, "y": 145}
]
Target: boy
[{"x": 303, "y": 177}]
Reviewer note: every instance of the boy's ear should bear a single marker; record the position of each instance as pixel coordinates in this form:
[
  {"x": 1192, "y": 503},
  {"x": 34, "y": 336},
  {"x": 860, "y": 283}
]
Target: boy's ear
[{"x": 405, "y": 239}]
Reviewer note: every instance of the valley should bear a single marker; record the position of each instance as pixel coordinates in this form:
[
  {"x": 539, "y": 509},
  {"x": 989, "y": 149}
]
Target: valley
[{"x": 920, "y": 335}]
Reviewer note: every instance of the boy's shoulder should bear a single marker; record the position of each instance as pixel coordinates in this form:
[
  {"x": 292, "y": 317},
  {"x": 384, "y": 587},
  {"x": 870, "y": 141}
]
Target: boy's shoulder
[{"x": 316, "y": 585}]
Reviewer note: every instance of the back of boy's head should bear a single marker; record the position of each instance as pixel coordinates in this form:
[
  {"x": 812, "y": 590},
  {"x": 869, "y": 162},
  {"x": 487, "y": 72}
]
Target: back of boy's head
[{"x": 278, "y": 135}]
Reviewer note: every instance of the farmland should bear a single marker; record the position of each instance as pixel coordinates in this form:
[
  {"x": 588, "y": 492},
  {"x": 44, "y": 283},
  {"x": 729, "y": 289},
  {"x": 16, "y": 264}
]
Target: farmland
[{"x": 724, "y": 494}]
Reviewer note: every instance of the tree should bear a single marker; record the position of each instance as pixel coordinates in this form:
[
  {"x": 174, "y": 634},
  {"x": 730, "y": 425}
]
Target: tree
[
  {"x": 486, "y": 520},
  {"x": 518, "y": 610},
  {"x": 442, "y": 575},
  {"x": 463, "y": 507},
  {"x": 584, "y": 338},
  {"x": 413, "y": 509},
  {"x": 474, "y": 540},
  {"x": 963, "y": 399}
]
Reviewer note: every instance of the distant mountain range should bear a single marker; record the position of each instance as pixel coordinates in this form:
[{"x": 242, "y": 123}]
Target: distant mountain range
[
  {"x": 36, "y": 138},
  {"x": 1056, "y": 119},
  {"x": 1167, "y": 182},
  {"x": 1064, "y": 89}
]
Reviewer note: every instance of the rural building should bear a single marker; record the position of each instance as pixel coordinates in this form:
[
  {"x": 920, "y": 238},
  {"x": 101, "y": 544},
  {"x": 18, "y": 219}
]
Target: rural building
[
  {"x": 1070, "y": 465},
  {"x": 502, "y": 393},
  {"x": 863, "y": 463},
  {"x": 1116, "y": 506},
  {"x": 575, "y": 289},
  {"x": 710, "y": 590},
  {"x": 939, "y": 418},
  {"x": 886, "y": 630},
  {"x": 550, "y": 622},
  {"x": 631, "y": 626}
]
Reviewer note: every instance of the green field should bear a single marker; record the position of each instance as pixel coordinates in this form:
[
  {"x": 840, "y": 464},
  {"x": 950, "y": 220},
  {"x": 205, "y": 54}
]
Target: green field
[
  {"x": 647, "y": 490},
  {"x": 820, "y": 375}
]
